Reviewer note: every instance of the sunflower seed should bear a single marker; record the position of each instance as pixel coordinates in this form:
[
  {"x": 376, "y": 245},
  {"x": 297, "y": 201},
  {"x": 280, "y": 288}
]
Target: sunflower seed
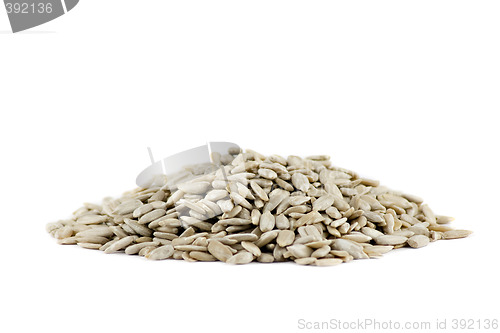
[
  {"x": 265, "y": 258},
  {"x": 252, "y": 248},
  {"x": 127, "y": 207},
  {"x": 300, "y": 182},
  {"x": 219, "y": 250},
  {"x": 202, "y": 256},
  {"x": 390, "y": 240},
  {"x": 161, "y": 253},
  {"x": 194, "y": 188},
  {"x": 242, "y": 257},
  {"x": 323, "y": 202},
  {"x": 267, "y": 222},
  {"x": 285, "y": 238},
  {"x": 121, "y": 244},
  {"x": 306, "y": 261},
  {"x": 418, "y": 241},
  {"x": 300, "y": 250},
  {"x": 92, "y": 219},
  {"x": 453, "y": 234},
  {"x": 268, "y": 174},
  {"x": 328, "y": 262}
]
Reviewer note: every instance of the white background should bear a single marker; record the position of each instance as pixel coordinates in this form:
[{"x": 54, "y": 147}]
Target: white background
[{"x": 402, "y": 91}]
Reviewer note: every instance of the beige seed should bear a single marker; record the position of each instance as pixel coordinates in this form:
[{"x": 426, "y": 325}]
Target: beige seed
[
  {"x": 374, "y": 217},
  {"x": 219, "y": 250},
  {"x": 92, "y": 239},
  {"x": 194, "y": 187},
  {"x": 242, "y": 257},
  {"x": 127, "y": 207},
  {"x": 243, "y": 237},
  {"x": 321, "y": 252},
  {"x": 161, "y": 253},
  {"x": 267, "y": 222},
  {"x": 235, "y": 221},
  {"x": 309, "y": 218},
  {"x": 282, "y": 222},
  {"x": 91, "y": 246},
  {"x": 306, "y": 261},
  {"x": 441, "y": 219},
  {"x": 138, "y": 228},
  {"x": 373, "y": 233},
  {"x": 141, "y": 210},
  {"x": 300, "y": 250},
  {"x": 418, "y": 241},
  {"x": 267, "y": 173},
  {"x": 353, "y": 248},
  {"x": 377, "y": 250},
  {"x": 265, "y": 258},
  {"x": 300, "y": 182},
  {"x": 92, "y": 219},
  {"x": 328, "y": 262},
  {"x": 98, "y": 231},
  {"x": 390, "y": 240},
  {"x": 121, "y": 244},
  {"x": 324, "y": 202},
  {"x": 267, "y": 237},
  {"x": 134, "y": 249},
  {"x": 285, "y": 238},
  {"x": 275, "y": 198},
  {"x": 429, "y": 214},
  {"x": 64, "y": 232},
  {"x": 453, "y": 234},
  {"x": 252, "y": 248},
  {"x": 216, "y": 195},
  {"x": 357, "y": 237},
  {"x": 151, "y": 216},
  {"x": 202, "y": 256},
  {"x": 146, "y": 250},
  {"x": 190, "y": 248}
]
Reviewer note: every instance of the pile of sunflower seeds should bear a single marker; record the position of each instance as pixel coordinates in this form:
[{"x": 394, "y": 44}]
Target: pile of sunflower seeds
[{"x": 256, "y": 207}]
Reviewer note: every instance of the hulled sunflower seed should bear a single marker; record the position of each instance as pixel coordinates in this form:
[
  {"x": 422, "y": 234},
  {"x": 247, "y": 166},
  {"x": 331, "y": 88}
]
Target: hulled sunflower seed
[
  {"x": 120, "y": 244},
  {"x": 390, "y": 240},
  {"x": 252, "y": 248},
  {"x": 418, "y": 241},
  {"x": 219, "y": 250},
  {"x": 267, "y": 222},
  {"x": 453, "y": 234},
  {"x": 161, "y": 253},
  {"x": 242, "y": 257}
]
